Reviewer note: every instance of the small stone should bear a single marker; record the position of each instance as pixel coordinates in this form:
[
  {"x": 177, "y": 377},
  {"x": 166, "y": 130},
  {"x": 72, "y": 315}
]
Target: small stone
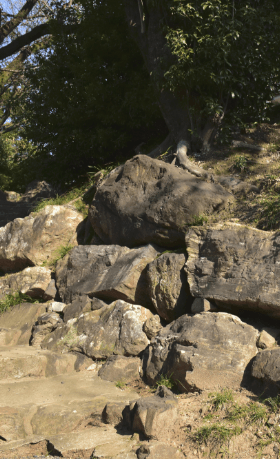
[
  {"x": 152, "y": 326},
  {"x": 265, "y": 340}
]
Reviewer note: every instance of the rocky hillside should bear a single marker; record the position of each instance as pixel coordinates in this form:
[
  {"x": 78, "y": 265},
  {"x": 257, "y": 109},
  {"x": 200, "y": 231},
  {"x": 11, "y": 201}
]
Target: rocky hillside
[{"x": 161, "y": 290}]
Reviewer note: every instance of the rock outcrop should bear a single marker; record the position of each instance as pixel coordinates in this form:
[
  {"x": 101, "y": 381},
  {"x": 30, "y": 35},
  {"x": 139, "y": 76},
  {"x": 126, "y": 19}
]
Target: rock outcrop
[
  {"x": 114, "y": 329},
  {"x": 107, "y": 272},
  {"x": 168, "y": 286},
  {"x": 148, "y": 201},
  {"x": 205, "y": 351},
  {"x": 235, "y": 265},
  {"x": 35, "y": 239},
  {"x": 35, "y": 282}
]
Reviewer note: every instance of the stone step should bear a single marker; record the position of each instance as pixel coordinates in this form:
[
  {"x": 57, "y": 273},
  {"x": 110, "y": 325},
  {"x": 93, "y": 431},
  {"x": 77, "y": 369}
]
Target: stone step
[
  {"x": 98, "y": 442},
  {"x": 18, "y": 362},
  {"x": 55, "y": 406}
]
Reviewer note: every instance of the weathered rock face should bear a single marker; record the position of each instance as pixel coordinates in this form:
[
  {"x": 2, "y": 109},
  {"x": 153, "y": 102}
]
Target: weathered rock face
[
  {"x": 205, "y": 351},
  {"x": 114, "y": 329},
  {"x": 149, "y": 201},
  {"x": 156, "y": 416},
  {"x": 45, "y": 324},
  {"x": 120, "y": 368},
  {"x": 168, "y": 286},
  {"x": 235, "y": 265},
  {"x": 266, "y": 367},
  {"x": 16, "y": 324},
  {"x": 35, "y": 282},
  {"x": 35, "y": 239},
  {"x": 106, "y": 272}
]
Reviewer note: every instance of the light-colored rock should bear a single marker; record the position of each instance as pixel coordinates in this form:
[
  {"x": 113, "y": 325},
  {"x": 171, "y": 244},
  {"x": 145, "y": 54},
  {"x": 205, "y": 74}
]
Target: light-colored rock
[
  {"x": 266, "y": 340},
  {"x": 149, "y": 201},
  {"x": 100, "y": 442},
  {"x": 44, "y": 325},
  {"x": 107, "y": 272},
  {"x": 114, "y": 329},
  {"x": 152, "y": 326},
  {"x": 35, "y": 239},
  {"x": 155, "y": 417},
  {"x": 202, "y": 305},
  {"x": 56, "y": 306},
  {"x": 35, "y": 282},
  {"x": 22, "y": 361},
  {"x": 16, "y": 323},
  {"x": 158, "y": 450},
  {"x": 168, "y": 286},
  {"x": 207, "y": 351},
  {"x": 235, "y": 266},
  {"x": 120, "y": 368}
]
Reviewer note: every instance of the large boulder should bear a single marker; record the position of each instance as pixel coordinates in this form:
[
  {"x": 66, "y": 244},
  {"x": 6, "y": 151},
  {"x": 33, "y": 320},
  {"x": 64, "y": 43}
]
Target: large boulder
[
  {"x": 206, "y": 351},
  {"x": 35, "y": 282},
  {"x": 114, "y": 329},
  {"x": 149, "y": 201},
  {"x": 168, "y": 286},
  {"x": 35, "y": 239},
  {"x": 107, "y": 272},
  {"x": 235, "y": 265},
  {"x": 120, "y": 368}
]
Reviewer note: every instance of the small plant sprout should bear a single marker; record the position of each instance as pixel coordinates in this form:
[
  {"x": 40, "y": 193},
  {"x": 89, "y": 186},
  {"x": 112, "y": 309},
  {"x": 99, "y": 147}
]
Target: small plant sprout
[
  {"x": 120, "y": 384},
  {"x": 241, "y": 163}
]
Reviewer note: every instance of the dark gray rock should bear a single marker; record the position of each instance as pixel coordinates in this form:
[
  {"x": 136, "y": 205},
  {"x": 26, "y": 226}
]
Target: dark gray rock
[
  {"x": 266, "y": 368},
  {"x": 106, "y": 272},
  {"x": 149, "y": 201},
  {"x": 205, "y": 351},
  {"x": 202, "y": 305},
  {"x": 168, "y": 286},
  {"x": 236, "y": 266},
  {"x": 113, "y": 413},
  {"x": 37, "y": 191},
  {"x": 155, "y": 417},
  {"x": 114, "y": 329},
  {"x": 120, "y": 368}
]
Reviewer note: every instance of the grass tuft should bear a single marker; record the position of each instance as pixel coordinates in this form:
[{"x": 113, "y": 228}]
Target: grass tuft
[{"x": 219, "y": 399}]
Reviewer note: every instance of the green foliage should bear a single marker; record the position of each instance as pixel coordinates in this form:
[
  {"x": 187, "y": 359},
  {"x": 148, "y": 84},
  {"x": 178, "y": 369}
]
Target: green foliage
[
  {"x": 241, "y": 163},
  {"x": 15, "y": 298},
  {"x": 199, "y": 220},
  {"x": 165, "y": 380},
  {"x": 70, "y": 195},
  {"x": 82, "y": 107},
  {"x": 59, "y": 253},
  {"x": 120, "y": 384},
  {"x": 227, "y": 61},
  {"x": 219, "y": 399}
]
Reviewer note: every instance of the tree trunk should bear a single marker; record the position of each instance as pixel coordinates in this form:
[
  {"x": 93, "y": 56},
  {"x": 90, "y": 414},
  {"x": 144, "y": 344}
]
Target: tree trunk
[{"x": 152, "y": 45}]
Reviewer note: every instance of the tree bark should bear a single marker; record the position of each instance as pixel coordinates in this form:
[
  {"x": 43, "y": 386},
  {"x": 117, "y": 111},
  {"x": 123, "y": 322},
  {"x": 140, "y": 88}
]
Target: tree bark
[{"x": 152, "y": 45}]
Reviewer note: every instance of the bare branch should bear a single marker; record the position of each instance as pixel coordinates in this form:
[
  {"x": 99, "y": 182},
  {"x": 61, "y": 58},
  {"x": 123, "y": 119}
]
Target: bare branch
[{"x": 7, "y": 28}]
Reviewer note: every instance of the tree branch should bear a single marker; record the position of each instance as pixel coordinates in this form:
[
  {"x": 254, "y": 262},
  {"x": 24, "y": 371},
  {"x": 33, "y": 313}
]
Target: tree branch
[
  {"x": 13, "y": 47},
  {"x": 7, "y": 28}
]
